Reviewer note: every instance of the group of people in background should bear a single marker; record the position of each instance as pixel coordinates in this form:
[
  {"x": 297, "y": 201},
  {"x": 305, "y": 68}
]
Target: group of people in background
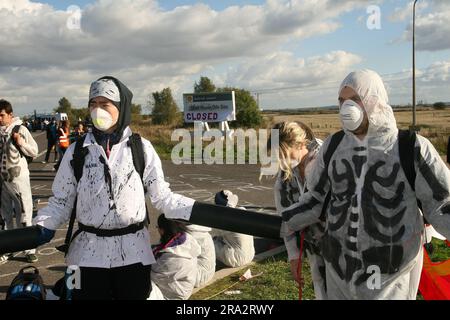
[{"x": 59, "y": 138}]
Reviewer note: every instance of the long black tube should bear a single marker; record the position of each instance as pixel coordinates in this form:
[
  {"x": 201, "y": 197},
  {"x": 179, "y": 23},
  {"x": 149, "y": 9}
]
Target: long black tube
[
  {"x": 204, "y": 214},
  {"x": 19, "y": 239},
  {"x": 236, "y": 220}
]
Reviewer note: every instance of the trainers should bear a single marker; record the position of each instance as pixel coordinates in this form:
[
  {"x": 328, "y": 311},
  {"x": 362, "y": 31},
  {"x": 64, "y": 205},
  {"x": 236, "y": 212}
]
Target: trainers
[
  {"x": 44, "y": 162},
  {"x": 4, "y": 258},
  {"x": 31, "y": 258}
]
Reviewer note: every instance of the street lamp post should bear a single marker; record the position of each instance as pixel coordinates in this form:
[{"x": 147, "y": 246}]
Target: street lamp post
[{"x": 414, "y": 124}]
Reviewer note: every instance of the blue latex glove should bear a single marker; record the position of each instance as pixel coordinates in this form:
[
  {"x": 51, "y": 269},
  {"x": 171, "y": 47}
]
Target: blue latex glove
[{"x": 45, "y": 236}]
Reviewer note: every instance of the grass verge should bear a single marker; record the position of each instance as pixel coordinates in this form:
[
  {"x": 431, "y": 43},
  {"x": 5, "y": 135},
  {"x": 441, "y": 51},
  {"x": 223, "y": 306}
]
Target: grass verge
[{"x": 276, "y": 282}]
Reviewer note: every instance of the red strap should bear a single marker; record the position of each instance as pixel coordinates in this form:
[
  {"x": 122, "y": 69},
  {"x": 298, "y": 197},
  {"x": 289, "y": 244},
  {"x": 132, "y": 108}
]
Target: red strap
[
  {"x": 163, "y": 246},
  {"x": 299, "y": 267}
]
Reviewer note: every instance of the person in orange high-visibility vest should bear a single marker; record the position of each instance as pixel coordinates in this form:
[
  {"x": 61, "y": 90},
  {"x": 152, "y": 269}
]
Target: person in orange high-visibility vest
[{"x": 63, "y": 140}]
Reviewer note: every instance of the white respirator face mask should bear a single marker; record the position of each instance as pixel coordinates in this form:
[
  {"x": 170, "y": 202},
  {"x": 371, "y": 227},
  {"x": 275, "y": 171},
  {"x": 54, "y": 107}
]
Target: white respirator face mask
[
  {"x": 101, "y": 119},
  {"x": 351, "y": 114}
]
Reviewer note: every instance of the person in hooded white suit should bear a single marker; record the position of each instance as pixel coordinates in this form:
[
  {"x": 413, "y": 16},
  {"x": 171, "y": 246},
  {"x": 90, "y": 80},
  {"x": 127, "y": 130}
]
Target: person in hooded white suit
[
  {"x": 232, "y": 249},
  {"x": 174, "y": 274},
  {"x": 374, "y": 229},
  {"x": 206, "y": 261}
]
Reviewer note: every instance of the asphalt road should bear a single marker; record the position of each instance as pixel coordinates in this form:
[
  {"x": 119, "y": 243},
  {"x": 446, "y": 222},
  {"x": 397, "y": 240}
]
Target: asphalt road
[{"x": 199, "y": 182}]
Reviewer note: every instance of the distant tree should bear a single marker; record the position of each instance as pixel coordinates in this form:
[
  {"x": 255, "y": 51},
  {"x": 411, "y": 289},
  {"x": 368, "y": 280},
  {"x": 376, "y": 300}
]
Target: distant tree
[
  {"x": 136, "y": 109},
  {"x": 64, "y": 106},
  {"x": 439, "y": 106},
  {"x": 165, "y": 109},
  {"x": 205, "y": 85},
  {"x": 81, "y": 114},
  {"x": 247, "y": 112}
]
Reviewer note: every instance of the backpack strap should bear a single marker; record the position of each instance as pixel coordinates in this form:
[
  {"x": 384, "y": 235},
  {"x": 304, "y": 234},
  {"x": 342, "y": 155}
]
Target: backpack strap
[
  {"x": 137, "y": 152},
  {"x": 79, "y": 155},
  {"x": 406, "y": 143},
  {"x": 16, "y": 130},
  {"x": 334, "y": 143},
  {"x": 406, "y": 149}
]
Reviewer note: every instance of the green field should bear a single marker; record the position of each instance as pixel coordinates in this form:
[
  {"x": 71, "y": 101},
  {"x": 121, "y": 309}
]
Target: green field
[{"x": 276, "y": 282}]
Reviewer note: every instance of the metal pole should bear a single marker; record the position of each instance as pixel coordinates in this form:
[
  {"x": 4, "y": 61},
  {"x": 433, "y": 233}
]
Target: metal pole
[{"x": 414, "y": 65}]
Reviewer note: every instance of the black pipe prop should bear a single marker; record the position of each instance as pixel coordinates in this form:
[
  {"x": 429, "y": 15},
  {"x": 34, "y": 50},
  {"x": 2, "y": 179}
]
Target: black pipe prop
[
  {"x": 236, "y": 220},
  {"x": 19, "y": 239}
]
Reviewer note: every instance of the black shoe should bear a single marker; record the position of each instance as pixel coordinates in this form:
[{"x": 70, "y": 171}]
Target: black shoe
[{"x": 31, "y": 258}]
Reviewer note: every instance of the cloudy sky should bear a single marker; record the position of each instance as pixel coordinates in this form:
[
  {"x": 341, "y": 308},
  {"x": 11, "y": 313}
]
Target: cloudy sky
[{"x": 295, "y": 53}]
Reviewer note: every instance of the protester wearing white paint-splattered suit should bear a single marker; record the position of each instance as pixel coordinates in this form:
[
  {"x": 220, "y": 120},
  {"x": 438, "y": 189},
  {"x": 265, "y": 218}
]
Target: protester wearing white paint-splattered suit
[{"x": 110, "y": 196}]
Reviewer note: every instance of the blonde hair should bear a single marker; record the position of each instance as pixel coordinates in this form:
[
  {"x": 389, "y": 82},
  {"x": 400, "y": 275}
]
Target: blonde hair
[{"x": 292, "y": 134}]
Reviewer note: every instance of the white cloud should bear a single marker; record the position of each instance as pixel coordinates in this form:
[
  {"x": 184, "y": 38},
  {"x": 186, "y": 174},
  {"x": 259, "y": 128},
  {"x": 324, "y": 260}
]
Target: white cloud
[
  {"x": 283, "y": 69},
  {"x": 41, "y": 59},
  {"x": 432, "y": 25},
  {"x": 316, "y": 86},
  {"x": 430, "y": 82},
  {"x": 36, "y": 35},
  {"x": 150, "y": 48},
  {"x": 405, "y": 13}
]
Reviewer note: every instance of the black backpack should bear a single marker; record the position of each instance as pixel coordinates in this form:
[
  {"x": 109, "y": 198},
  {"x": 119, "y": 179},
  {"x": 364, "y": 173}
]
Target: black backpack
[
  {"x": 27, "y": 286},
  {"x": 79, "y": 156},
  {"x": 16, "y": 130}
]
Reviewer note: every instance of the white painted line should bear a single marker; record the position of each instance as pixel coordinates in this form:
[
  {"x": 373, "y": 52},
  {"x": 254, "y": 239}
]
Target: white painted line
[
  {"x": 38, "y": 135},
  {"x": 41, "y": 154},
  {"x": 40, "y": 267}
]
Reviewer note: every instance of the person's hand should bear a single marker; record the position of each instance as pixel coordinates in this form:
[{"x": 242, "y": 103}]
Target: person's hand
[
  {"x": 45, "y": 236},
  {"x": 18, "y": 139},
  {"x": 294, "y": 271}
]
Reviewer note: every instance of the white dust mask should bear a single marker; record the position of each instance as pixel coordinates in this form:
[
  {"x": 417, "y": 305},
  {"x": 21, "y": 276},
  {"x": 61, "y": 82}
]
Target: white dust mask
[
  {"x": 351, "y": 115},
  {"x": 101, "y": 119}
]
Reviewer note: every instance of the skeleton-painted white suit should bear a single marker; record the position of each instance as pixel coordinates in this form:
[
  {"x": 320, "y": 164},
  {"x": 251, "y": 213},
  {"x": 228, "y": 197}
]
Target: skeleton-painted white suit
[{"x": 372, "y": 221}]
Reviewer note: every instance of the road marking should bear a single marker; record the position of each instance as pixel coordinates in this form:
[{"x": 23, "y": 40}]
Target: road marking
[
  {"x": 38, "y": 135},
  {"x": 41, "y": 267},
  {"x": 41, "y": 154}
]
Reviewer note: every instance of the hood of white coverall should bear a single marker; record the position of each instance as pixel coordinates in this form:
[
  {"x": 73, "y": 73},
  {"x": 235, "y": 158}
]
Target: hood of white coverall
[{"x": 369, "y": 86}]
